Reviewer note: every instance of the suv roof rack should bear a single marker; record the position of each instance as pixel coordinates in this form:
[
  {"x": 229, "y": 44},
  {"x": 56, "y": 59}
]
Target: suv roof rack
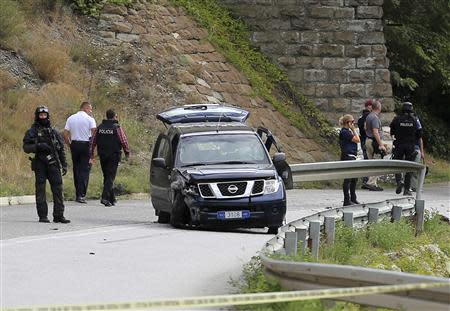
[{"x": 203, "y": 113}]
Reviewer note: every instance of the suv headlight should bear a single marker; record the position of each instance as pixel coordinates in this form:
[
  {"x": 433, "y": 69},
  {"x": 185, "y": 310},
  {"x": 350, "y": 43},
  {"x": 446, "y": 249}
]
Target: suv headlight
[{"x": 271, "y": 186}]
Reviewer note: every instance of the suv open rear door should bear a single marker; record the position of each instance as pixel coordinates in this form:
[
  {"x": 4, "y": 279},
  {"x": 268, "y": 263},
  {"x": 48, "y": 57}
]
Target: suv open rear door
[{"x": 203, "y": 113}]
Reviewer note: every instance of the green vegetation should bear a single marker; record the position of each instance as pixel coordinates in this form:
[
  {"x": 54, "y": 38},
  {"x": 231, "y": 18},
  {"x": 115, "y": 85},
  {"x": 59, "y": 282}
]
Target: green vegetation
[
  {"x": 231, "y": 37},
  {"x": 389, "y": 245},
  {"x": 418, "y": 42},
  {"x": 385, "y": 245},
  {"x": 71, "y": 71},
  {"x": 94, "y": 7},
  {"x": 11, "y": 20}
]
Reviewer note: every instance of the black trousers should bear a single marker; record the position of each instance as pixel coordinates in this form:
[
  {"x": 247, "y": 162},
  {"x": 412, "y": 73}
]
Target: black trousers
[
  {"x": 42, "y": 172},
  {"x": 404, "y": 152},
  {"x": 81, "y": 166},
  {"x": 109, "y": 164},
  {"x": 349, "y": 184}
]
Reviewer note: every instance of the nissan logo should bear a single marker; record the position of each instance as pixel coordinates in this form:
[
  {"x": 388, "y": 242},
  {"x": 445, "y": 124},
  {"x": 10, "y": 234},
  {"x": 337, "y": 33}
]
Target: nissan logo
[{"x": 232, "y": 189}]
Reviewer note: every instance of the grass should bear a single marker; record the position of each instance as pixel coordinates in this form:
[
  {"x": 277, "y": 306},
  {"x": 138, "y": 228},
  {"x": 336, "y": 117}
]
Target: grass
[
  {"x": 389, "y": 245},
  {"x": 67, "y": 68},
  {"x": 49, "y": 62},
  {"x": 439, "y": 170},
  {"x": 11, "y": 21},
  {"x": 386, "y": 245}
]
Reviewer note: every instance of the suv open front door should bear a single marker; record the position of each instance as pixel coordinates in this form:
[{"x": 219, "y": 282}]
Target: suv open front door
[
  {"x": 281, "y": 165},
  {"x": 159, "y": 174}
]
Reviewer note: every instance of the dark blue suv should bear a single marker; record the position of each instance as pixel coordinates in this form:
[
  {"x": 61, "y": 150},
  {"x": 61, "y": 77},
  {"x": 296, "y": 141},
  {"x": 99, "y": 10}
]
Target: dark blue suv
[{"x": 210, "y": 169}]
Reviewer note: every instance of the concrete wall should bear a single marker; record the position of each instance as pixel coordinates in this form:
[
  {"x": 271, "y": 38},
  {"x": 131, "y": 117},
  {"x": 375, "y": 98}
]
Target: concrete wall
[{"x": 332, "y": 50}]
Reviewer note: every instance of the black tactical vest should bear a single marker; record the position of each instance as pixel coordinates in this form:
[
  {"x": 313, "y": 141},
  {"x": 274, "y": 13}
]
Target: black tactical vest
[
  {"x": 405, "y": 131},
  {"x": 108, "y": 141}
]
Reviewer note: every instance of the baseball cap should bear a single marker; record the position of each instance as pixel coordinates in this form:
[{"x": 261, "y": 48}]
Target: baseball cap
[{"x": 368, "y": 103}]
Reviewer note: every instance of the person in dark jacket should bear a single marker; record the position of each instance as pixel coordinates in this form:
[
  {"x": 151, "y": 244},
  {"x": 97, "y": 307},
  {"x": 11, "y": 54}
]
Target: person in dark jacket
[
  {"x": 405, "y": 129},
  {"x": 110, "y": 139},
  {"x": 48, "y": 146},
  {"x": 348, "y": 141},
  {"x": 362, "y": 135}
]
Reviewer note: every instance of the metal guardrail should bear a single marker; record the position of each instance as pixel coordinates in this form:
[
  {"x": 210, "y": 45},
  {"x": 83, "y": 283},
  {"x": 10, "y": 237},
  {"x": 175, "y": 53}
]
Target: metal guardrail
[
  {"x": 307, "y": 275},
  {"x": 355, "y": 169}
]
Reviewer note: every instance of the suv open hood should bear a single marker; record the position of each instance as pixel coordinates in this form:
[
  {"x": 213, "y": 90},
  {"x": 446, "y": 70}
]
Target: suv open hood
[
  {"x": 230, "y": 172},
  {"x": 203, "y": 113}
]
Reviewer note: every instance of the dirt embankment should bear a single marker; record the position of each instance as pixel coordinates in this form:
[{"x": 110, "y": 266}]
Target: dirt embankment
[{"x": 149, "y": 57}]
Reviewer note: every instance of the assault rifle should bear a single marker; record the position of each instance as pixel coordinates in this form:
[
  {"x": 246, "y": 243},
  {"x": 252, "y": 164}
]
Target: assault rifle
[{"x": 55, "y": 145}]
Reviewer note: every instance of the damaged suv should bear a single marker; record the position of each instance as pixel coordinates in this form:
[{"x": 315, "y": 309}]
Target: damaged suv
[{"x": 210, "y": 169}]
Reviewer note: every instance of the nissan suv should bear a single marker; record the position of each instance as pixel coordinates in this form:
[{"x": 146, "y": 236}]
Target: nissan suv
[{"x": 209, "y": 169}]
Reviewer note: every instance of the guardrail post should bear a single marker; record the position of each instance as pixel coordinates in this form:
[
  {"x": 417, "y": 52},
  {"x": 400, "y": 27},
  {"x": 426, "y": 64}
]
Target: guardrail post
[
  {"x": 420, "y": 215},
  {"x": 348, "y": 219},
  {"x": 373, "y": 215},
  {"x": 301, "y": 237},
  {"x": 290, "y": 243},
  {"x": 420, "y": 183},
  {"x": 314, "y": 234},
  {"x": 396, "y": 213},
  {"x": 330, "y": 226}
]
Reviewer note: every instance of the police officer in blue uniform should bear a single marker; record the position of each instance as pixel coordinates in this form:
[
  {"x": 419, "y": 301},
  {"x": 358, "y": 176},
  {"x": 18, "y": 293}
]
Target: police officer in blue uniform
[
  {"x": 48, "y": 146},
  {"x": 110, "y": 139},
  {"x": 404, "y": 127}
]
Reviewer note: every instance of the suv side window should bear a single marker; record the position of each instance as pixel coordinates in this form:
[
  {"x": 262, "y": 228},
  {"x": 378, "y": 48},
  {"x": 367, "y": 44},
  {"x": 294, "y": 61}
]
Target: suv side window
[{"x": 162, "y": 148}]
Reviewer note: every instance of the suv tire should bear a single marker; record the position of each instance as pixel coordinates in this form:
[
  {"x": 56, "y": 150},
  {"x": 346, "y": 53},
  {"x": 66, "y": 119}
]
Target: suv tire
[
  {"x": 179, "y": 216},
  {"x": 163, "y": 217}
]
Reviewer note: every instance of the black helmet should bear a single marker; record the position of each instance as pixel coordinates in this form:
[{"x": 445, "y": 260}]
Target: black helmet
[
  {"x": 407, "y": 107},
  {"x": 41, "y": 109}
]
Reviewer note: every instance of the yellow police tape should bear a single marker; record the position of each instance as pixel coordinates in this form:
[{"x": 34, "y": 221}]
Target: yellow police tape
[{"x": 239, "y": 299}]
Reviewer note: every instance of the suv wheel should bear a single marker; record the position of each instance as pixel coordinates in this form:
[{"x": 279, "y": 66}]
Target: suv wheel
[
  {"x": 273, "y": 230},
  {"x": 180, "y": 214},
  {"x": 163, "y": 217}
]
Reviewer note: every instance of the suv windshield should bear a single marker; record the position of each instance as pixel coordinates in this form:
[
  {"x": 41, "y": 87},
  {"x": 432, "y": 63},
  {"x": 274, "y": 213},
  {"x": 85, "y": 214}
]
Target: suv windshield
[{"x": 221, "y": 149}]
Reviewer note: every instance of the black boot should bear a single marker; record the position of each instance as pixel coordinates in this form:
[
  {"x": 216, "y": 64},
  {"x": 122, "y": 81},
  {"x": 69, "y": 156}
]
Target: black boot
[
  {"x": 43, "y": 219},
  {"x": 61, "y": 219}
]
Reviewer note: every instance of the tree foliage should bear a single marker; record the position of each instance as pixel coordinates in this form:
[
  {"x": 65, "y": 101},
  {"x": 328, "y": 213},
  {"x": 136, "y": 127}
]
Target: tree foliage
[{"x": 418, "y": 40}]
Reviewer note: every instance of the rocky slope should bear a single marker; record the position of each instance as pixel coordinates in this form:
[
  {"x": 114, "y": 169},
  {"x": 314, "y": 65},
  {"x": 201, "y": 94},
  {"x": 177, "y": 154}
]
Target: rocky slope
[{"x": 158, "y": 57}]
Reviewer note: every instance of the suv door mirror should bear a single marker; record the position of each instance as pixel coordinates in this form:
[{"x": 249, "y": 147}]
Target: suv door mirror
[
  {"x": 279, "y": 157},
  {"x": 159, "y": 162}
]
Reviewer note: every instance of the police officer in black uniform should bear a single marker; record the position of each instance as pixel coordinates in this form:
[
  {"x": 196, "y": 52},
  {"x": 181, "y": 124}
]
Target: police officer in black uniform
[
  {"x": 404, "y": 128},
  {"x": 47, "y": 145},
  {"x": 110, "y": 138}
]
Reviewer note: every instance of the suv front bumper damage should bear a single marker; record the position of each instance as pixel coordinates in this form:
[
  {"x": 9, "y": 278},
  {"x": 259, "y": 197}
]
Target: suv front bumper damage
[{"x": 268, "y": 210}]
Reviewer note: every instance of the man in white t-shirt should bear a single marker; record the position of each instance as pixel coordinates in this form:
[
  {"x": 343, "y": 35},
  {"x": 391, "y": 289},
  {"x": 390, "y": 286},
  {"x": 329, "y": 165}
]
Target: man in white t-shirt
[{"x": 78, "y": 131}]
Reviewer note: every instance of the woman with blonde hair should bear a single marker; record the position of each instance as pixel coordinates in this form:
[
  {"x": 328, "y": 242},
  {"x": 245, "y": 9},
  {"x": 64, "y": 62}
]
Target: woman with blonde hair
[{"x": 348, "y": 141}]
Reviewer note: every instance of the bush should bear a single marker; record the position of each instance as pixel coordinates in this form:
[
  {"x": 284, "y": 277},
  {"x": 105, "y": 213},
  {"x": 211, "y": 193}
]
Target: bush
[
  {"x": 7, "y": 81},
  {"x": 11, "y": 20},
  {"x": 94, "y": 7},
  {"x": 49, "y": 62}
]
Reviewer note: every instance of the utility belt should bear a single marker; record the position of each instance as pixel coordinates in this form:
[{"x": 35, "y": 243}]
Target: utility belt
[
  {"x": 48, "y": 159},
  {"x": 80, "y": 142}
]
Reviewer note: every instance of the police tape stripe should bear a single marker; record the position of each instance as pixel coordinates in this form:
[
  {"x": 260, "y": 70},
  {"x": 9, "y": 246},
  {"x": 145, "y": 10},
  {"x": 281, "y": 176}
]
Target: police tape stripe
[{"x": 239, "y": 299}]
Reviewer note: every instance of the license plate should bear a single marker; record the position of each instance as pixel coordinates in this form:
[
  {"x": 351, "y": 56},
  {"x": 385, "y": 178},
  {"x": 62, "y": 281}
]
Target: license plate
[{"x": 233, "y": 214}]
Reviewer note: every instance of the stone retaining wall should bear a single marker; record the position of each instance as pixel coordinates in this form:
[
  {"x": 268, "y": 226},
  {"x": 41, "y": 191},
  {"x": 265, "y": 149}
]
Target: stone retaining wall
[
  {"x": 332, "y": 50},
  {"x": 165, "y": 34}
]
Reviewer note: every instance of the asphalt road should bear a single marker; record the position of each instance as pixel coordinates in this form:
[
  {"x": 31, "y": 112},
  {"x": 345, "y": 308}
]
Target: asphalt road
[{"x": 122, "y": 254}]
